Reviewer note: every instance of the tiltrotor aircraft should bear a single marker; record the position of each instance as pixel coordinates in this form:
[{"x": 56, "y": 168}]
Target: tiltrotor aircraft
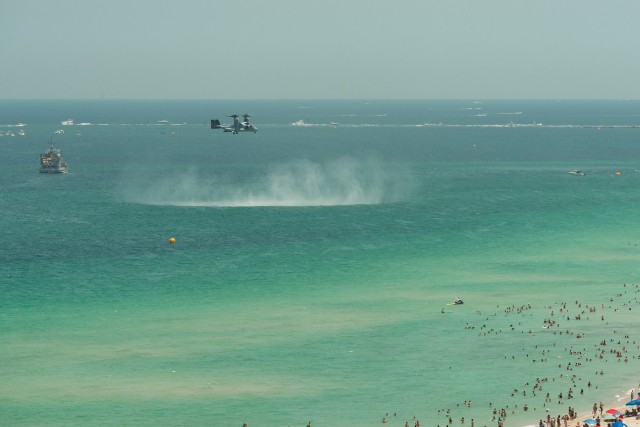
[{"x": 237, "y": 126}]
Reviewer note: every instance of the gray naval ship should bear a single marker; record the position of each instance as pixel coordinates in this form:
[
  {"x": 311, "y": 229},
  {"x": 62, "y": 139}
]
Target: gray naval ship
[{"x": 51, "y": 161}]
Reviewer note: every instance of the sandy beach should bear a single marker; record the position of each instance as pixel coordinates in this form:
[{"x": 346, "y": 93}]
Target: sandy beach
[{"x": 586, "y": 413}]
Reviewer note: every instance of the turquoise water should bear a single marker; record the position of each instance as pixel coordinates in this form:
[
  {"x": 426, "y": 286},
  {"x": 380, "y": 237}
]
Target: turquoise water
[{"x": 311, "y": 264}]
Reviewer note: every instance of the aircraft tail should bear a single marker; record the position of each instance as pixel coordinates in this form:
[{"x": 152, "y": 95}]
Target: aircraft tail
[{"x": 215, "y": 124}]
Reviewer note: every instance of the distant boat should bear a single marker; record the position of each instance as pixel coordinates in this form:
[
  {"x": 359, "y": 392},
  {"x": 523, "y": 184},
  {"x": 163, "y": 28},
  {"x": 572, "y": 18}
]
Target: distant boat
[
  {"x": 68, "y": 122},
  {"x": 577, "y": 172},
  {"x": 51, "y": 161}
]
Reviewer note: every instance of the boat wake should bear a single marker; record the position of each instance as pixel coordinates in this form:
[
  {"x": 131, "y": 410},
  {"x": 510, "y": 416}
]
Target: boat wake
[{"x": 301, "y": 183}]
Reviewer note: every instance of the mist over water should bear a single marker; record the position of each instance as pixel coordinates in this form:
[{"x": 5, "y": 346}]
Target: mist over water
[{"x": 344, "y": 181}]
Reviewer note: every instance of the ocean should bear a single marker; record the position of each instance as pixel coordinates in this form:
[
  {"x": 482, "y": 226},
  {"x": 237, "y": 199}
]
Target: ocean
[{"x": 314, "y": 265}]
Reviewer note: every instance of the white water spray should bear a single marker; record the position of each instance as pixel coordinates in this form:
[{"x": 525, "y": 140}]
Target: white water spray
[{"x": 300, "y": 183}]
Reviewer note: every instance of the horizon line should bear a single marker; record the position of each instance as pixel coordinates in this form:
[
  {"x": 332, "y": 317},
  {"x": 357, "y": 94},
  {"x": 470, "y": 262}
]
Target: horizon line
[{"x": 320, "y": 99}]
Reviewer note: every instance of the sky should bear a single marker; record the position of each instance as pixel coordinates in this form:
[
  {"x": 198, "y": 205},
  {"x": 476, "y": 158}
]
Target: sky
[{"x": 319, "y": 49}]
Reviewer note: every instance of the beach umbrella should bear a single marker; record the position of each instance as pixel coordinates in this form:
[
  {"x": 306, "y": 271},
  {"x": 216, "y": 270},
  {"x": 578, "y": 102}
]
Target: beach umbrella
[
  {"x": 613, "y": 412},
  {"x": 633, "y": 402},
  {"x": 590, "y": 421},
  {"x": 619, "y": 424},
  {"x": 609, "y": 417}
]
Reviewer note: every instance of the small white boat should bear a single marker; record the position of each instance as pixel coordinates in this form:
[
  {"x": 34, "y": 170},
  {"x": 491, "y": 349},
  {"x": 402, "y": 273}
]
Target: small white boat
[{"x": 577, "y": 172}]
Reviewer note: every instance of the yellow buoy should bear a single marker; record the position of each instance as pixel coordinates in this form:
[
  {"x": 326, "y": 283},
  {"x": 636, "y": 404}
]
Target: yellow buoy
[
  {"x": 618, "y": 173},
  {"x": 172, "y": 241}
]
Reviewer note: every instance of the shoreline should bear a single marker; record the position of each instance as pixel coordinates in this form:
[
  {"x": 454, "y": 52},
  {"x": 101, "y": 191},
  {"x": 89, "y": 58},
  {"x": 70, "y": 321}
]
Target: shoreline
[
  {"x": 618, "y": 403},
  {"x": 619, "y": 400},
  {"x": 580, "y": 355}
]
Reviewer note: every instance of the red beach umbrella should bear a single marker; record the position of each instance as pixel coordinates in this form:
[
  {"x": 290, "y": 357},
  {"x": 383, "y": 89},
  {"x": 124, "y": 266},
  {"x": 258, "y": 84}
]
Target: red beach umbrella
[{"x": 613, "y": 411}]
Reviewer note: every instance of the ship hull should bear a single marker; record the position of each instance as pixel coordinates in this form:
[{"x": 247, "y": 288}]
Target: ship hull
[{"x": 53, "y": 171}]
